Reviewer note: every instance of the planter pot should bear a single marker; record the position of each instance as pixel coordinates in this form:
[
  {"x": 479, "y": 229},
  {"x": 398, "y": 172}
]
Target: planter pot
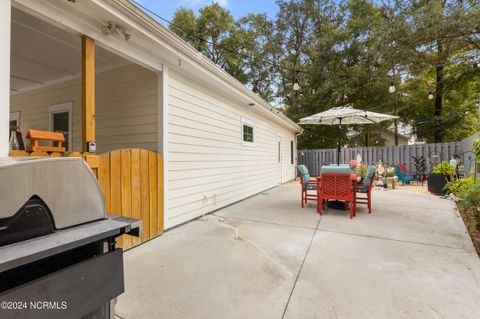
[
  {"x": 391, "y": 182},
  {"x": 437, "y": 182}
]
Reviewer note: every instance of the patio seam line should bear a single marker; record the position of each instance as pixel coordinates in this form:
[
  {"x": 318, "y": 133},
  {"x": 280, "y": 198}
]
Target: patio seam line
[
  {"x": 393, "y": 239},
  {"x": 265, "y": 222},
  {"x": 301, "y": 267}
]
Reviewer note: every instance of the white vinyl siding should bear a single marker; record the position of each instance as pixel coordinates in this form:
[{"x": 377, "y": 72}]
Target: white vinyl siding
[
  {"x": 208, "y": 166},
  {"x": 126, "y": 108}
]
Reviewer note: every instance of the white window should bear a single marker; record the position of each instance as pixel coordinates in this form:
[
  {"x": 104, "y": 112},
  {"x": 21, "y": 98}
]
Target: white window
[
  {"x": 61, "y": 121},
  {"x": 15, "y": 119},
  {"x": 248, "y": 132}
]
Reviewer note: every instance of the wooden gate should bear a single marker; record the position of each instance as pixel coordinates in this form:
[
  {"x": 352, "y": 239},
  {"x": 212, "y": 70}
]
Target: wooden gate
[{"x": 132, "y": 182}]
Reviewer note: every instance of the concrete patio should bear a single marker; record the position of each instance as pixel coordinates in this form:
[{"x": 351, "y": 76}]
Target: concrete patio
[{"x": 266, "y": 257}]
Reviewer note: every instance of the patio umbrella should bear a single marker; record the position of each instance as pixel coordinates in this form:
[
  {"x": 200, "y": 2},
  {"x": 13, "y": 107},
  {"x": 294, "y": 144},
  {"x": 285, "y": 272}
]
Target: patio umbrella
[{"x": 345, "y": 115}]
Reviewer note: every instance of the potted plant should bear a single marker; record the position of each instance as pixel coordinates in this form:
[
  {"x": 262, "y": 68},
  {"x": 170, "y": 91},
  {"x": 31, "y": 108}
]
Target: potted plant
[
  {"x": 390, "y": 178},
  {"x": 441, "y": 175},
  {"x": 362, "y": 171}
]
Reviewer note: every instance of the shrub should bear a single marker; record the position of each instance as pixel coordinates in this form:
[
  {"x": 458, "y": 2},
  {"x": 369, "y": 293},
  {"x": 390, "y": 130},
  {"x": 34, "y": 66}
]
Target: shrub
[
  {"x": 476, "y": 148},
  {"x": 362, "y": 170},
  {"x": 471, "y": 196},
  {"x": 390, "y": 172},
  {"x": 444, "y": 168},
  {"x": 459, "y": 186}
]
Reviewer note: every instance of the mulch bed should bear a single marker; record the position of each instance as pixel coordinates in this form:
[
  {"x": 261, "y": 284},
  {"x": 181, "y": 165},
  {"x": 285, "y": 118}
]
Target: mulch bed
[{"x": 472, "y": 224}]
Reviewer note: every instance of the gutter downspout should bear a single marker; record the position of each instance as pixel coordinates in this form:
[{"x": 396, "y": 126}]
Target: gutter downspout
[{"x": 296, "y": 144}]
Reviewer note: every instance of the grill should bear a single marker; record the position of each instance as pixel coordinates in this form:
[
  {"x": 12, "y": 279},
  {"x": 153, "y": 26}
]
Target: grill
[{"x": 57, "y": 245}]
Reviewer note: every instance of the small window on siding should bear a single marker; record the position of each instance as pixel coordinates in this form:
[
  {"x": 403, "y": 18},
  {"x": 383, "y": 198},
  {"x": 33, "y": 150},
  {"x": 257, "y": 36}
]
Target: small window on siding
[
  {"x": 291, "y": 152},
  {"x": 248, "y": 133}
]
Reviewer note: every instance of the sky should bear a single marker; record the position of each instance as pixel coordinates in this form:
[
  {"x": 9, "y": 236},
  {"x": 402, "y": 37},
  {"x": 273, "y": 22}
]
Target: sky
[{"x": 238, "y": 8}]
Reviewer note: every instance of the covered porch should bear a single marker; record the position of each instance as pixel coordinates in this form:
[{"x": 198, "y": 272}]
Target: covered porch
[{"x": 90, "y": 78}]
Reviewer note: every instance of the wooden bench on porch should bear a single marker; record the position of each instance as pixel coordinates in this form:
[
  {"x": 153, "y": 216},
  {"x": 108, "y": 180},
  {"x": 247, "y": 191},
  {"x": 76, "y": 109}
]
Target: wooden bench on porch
[{"x": 36, "y": 136}]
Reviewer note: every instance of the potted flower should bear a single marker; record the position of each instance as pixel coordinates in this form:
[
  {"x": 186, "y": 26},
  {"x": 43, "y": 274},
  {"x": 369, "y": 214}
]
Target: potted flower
[{"x": 441, "y": 175}]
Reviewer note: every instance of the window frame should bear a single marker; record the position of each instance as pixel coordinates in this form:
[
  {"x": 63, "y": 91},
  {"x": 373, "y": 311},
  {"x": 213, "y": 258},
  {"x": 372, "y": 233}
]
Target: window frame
[
  {"x": 247, "y": 122},
  {"x": 292, "y": 148},
  {"x": 14, "y": 116},
  {"x": 62, "y": 108}
]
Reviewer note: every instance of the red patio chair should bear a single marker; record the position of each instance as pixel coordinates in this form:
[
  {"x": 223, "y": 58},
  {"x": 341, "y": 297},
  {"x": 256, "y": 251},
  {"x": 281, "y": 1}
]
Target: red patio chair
[
  {"x": 365, "y": 188},
  {"x": 337, "y": 186},
  {"x": 308, "y": 184}
]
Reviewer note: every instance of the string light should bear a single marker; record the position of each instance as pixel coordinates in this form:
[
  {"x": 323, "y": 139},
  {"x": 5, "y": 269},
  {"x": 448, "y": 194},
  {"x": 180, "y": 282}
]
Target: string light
[
  {"x": 391, "y": 89},
  {"x": 430, "y": 94},
  {"x": 296, "y": 86},
  {"x": 279, "y": 66}
]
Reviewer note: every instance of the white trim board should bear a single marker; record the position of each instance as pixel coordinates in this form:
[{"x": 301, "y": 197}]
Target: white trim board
[{"x": 162, "y": 135}]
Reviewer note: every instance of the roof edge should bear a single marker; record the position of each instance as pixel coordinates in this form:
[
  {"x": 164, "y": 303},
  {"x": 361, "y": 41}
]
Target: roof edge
[{"x": 178, "y": 43}]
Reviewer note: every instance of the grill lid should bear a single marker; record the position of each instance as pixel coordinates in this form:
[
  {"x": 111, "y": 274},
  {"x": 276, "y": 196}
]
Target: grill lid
[{"x": 67, "y": 187}]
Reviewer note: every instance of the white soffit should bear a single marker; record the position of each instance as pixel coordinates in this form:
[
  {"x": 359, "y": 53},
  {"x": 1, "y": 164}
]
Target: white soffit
[{"x": 42, "y": 54}]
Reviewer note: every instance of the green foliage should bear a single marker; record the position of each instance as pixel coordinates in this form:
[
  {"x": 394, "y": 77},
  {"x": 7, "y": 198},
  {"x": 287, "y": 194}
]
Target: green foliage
[
  {"x": 476, "y": 148},
  {"x": 349, "y": 51},
  {"x": 390, "y": 172},
  {"x": 459, "y": 186},
  {"x": 362, "y": 170},
  {"x": 444, "y": 168},
  {"x": 471, "y": 196}
]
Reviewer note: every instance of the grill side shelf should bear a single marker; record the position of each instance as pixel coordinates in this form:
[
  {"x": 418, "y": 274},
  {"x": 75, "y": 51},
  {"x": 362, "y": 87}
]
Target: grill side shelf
[{"x": 31, "y": 250}]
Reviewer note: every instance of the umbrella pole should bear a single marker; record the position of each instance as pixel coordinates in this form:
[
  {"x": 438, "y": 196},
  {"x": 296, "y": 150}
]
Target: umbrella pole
[
  {"x": 336, "y": 204},
  {"x": 339, "y": 141}
]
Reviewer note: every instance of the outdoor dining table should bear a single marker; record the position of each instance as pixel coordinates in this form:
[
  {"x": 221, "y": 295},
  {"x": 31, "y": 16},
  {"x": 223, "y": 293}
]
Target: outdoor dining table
[{"x": 338, "y": 204}]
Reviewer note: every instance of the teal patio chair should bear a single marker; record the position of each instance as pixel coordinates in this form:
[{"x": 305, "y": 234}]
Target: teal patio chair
[
  {"x": 365, "y": 188},
  {"x": 402, "y": 176},
  {"x": 308, "y": 184}
]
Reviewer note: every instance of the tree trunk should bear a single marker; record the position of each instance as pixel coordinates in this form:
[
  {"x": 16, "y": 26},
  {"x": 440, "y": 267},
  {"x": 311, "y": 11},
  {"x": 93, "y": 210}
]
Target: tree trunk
[
  {"x": 439, "y": 88},
  {"x": 395, "y": 125},
  {"x": 438, "y": 129}
]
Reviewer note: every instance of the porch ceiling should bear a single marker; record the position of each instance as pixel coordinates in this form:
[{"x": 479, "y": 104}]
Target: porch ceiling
[{"x": 42, "y": 54}]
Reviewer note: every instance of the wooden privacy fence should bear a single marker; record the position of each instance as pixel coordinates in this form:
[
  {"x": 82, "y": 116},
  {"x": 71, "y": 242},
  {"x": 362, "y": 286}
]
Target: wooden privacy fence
[
  {"x": 389, "y": 155},
  {"x": 132, "y": 183}
]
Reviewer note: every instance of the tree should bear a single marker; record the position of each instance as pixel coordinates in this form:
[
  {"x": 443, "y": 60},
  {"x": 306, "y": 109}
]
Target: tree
[
  {"x": 430, "y": 34},
  {"x": 349, "y": 52},
  {"x": 209, "y": 33}
]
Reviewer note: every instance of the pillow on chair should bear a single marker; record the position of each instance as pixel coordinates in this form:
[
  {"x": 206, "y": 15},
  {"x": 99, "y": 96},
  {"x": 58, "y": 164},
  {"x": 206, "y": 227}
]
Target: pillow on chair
[
  {"x": 304, "y": 174},
  {"x": 368, "y": 178},
  {"x": 342, "y": 169}
]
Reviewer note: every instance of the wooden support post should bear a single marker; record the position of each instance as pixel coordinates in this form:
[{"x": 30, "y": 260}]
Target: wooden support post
[{"x": 88, "y": 91}]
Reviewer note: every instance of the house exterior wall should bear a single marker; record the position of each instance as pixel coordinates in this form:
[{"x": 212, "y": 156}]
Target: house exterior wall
[
  {"x": 126, "y": 108},
  {"x": 390, "y": 138},
  {"x": 208, "y": 167}
]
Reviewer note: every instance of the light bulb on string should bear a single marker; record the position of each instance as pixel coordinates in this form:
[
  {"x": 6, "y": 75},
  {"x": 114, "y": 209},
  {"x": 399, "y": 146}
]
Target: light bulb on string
[
  {"x": 391, "y": 88},
  {"x": 296, "y": 86},
  {"x": 430, "y": 94}
]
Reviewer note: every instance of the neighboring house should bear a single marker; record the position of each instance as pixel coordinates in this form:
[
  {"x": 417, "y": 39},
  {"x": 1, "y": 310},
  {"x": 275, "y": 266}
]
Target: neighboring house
[
  {"x": 389, "y": 136},
  {"x": 144, "y": 87}
]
